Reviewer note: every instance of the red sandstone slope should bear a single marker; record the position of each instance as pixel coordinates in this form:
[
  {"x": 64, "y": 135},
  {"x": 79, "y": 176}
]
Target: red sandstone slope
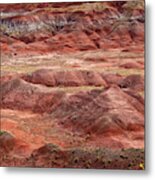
[
  {"x": 65, "y": 78},
  {"x": 104, "y": 113},
  {"x": 72, "y": 85},
  {"x": 71, "y": 27},
  {"x": 109, "y": 118}
]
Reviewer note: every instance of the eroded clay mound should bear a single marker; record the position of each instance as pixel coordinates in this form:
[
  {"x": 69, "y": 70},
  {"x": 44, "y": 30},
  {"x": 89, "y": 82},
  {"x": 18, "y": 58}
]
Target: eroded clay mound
[
  {"x": 112, "y": 78},
  {"x": 19, "y": 94},
  {"x": 105, "y": 113},
  {"x": 65, "y": 78},
  {"x": 75, "y": 78},
  {"x": 135, "y": 82},
  {"x": 13, "y": 146}
]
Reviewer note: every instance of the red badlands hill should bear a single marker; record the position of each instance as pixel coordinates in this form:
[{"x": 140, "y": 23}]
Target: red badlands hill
[
  {"x": 66, "y": 26},
  {"x": 94, "y": 115},
  {"x": 72, "y": 85},
  {"x": 65, "y": 78}
]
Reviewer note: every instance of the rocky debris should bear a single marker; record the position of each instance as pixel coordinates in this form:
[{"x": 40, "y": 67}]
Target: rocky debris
[
  {"x": 50, "y": 155},
  {"x": 18, "y": 94},
  {"x": 65, "y": 78}
]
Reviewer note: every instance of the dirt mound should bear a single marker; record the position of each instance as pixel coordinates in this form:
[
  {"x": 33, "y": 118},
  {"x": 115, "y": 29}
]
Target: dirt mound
[
  {"x": 134, "y": 82},
  {"x": 132, "y": 65},
  {"x": 13, "y": 145},
  {"x": 18, "y": 94},
  {"x": 112, "y": 78},
  {"x": 7, "y": 141},
  {"x": 9, "y": 76},
  {"x": 65, "y": 78},
  {"x": 102, "y": 113},
  {"x": 108, "y": 112}
]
